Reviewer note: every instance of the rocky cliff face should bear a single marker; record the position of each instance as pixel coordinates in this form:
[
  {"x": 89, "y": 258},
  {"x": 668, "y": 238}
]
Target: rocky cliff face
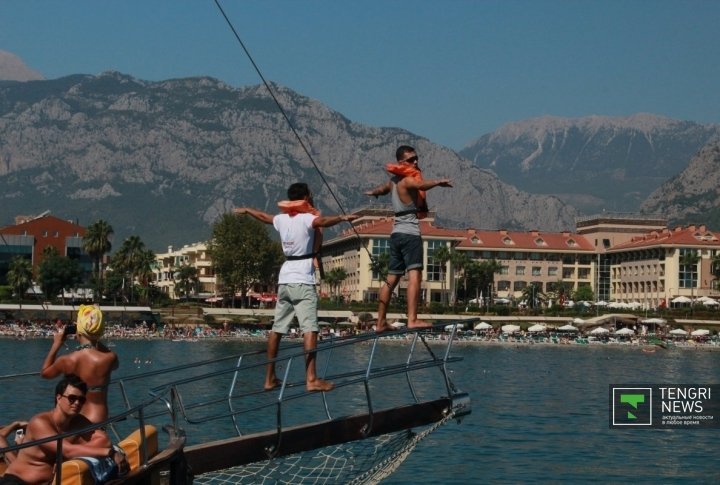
[
  {"x": 694, "y": 194},
  {"x": 594, "y": 163},
  {"x": 164, "y": 159}
]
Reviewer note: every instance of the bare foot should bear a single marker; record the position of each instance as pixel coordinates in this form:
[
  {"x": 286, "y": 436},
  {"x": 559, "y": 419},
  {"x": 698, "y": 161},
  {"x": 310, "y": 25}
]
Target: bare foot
[
  {"x": 384, "y": 328},
  {"x": 319, "y": 385},
  {"x": 419, "y": 324},
  {"x": 270, "y": 385}
]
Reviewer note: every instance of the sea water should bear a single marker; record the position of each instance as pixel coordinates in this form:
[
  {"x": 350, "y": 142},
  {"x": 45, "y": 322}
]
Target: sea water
[{"x": 539, "y": 412}]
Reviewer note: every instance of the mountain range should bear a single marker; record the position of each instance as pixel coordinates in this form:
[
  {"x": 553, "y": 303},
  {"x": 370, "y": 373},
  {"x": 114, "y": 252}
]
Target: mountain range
[
  {"x": 594, "y": 163},
  {"x": 164, "y": 159}
]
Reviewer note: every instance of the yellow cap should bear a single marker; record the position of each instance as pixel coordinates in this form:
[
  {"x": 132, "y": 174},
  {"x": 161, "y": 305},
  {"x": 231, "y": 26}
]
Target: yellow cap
[{"x": 90, "y": 321}]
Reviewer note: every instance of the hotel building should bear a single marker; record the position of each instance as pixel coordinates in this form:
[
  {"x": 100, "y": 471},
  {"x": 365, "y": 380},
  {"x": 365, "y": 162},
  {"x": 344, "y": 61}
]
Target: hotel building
[{"x": 621, "y": 257}]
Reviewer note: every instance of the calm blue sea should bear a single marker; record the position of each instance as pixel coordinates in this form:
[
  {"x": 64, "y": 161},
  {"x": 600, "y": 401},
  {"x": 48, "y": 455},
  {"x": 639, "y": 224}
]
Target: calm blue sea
[{"x": 540, "y": 413}]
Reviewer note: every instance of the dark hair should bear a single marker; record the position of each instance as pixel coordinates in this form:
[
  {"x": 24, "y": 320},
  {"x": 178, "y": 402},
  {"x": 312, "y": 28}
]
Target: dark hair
[
  {"x": 402, "y": 150},
  {"x": 298, "y": 191},
  {"x": 70, "y": 380}
]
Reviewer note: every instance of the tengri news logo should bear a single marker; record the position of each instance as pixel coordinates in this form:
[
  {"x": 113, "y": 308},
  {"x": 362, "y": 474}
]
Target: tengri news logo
[{"x": 631, "y": 406}]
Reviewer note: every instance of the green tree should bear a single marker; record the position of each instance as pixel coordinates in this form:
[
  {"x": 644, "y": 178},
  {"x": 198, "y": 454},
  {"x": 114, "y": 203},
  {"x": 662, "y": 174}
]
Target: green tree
[
  {"x": 97, "y": 244},
  {"x": 186, "y": 280},
  {"x": 440, "y": 257},
  {"x": 533, "y": 295},
  {"x": 144, "y": 272},
  {"x": 19, "y": 276},
  {"x": 133, "y": 261},
  {"x": 583, "y": 293},
  {"x": 334, "y": 279},
  {"x": 460, "y": 261},
  {"x": 379, "y": 266},
  {"x": 57, "y": 273},
  {"x": 243, "y": 254},
  {"x": 481, "y": 276}
]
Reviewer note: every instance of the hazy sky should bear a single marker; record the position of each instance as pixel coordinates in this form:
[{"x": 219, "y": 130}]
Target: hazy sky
[{"x": 449, "y": 70}]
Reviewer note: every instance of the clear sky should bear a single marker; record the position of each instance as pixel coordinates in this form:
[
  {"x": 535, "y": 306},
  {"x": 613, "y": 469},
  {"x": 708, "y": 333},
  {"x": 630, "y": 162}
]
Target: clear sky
[{"x": 448, "y": 70}]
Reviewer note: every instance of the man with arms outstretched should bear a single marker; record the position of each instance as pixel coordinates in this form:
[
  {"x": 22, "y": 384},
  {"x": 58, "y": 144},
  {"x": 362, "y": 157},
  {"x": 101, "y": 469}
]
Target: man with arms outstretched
[
  {"x": 407, "y": 189},
  {"x": 297, "y": 296}
]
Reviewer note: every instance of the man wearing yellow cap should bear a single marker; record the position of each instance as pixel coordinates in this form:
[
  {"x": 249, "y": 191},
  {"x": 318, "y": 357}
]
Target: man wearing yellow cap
[{"x": 93, "y": 362}]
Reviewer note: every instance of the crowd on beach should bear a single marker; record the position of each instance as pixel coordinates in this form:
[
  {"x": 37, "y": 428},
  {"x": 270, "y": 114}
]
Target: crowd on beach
[{"x": 25, "y": 329}]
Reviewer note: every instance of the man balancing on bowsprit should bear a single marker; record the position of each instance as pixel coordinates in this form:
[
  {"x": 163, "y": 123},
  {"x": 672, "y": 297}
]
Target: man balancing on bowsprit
[
  {"x": 407, "y": 188},
  {"x": 297, "y": 295}
]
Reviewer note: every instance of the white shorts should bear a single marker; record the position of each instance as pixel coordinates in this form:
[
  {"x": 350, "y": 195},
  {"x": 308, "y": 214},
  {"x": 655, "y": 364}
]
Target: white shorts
[{"x": 296, "y": 300}]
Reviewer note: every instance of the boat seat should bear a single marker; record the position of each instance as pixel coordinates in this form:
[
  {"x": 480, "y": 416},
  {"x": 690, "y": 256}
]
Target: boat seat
[{"x": 77, "y": 472}]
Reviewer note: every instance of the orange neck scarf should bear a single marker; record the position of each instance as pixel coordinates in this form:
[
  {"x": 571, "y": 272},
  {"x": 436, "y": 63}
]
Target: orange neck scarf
[
  {"x": 294, "y": 207},
  {"x": 408, "y": 170}
]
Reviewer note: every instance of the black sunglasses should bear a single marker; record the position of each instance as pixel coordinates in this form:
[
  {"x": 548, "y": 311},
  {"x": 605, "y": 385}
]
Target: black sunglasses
[
  {"x": 72, "y": 398},
  {"x": 412, "y": 159}
]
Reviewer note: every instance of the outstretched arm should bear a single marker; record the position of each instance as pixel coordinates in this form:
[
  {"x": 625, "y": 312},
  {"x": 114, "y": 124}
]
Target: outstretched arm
[
  {"x": 332, "y": 220},
  {"x": 383, "y": 189},
  {"x": 413, "y": 183},
  {"x": 259, "y": 215}
]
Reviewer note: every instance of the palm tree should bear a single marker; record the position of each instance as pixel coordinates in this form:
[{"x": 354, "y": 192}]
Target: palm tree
[
  {"x": 334, "y": 278},
  {"x": 186, "y": 280},
  {"x": 379, "y": 265},
  {"x": 460, "y": 261},
  {"x": 532, "y": 294},
  {"x": 440, "y": 257},
  {"x": 97, "y": 244},
  {"x": 130, "y": 259},
  {"x": 19, "y": 276}
]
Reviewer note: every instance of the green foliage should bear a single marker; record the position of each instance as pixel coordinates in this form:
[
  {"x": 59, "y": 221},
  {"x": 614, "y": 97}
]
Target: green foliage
[
  {"x": 6, "y": 293},
  {"x": 19, "y": 275},
  {"x": 186, "y": 280},
  {"x": 334, "y": 278},
  {"x": 133, "y": 261},
  {"x": 584, "y": 293},
  {"x": 56, "y": 273},
  {"x": 243, "y": 253},
  {"x": 97, "y": 243}
]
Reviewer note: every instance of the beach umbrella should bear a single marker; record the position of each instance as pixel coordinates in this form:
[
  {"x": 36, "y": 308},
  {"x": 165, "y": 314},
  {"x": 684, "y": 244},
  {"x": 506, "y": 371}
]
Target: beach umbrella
[
  {"x": 509, "y": 328},
  {"x": 700, "y": 332},
  {"x": 601, "y": 303},
  {"x": 678, "y": 331},
  {"x": 655, "y": 321},
  {"x": 681, "y": 299},
  {"x": 483, "y": 326},
  {"x": 625, "y": 331},
  {"x": 599, "y": 331},
  {"x": 568, "y": 328},
  {"x": 710, "y": 302},
  {"x": 537, "y": 328},
  {"x": 323, "y": 323}
]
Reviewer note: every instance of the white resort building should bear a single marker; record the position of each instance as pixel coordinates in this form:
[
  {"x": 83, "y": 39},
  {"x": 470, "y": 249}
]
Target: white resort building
[{"x": 621, "y": 257}]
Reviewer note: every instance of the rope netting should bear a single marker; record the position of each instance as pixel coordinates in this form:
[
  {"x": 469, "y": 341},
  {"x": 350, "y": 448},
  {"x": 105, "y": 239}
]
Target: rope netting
[{"x": 366, "y": 461}]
